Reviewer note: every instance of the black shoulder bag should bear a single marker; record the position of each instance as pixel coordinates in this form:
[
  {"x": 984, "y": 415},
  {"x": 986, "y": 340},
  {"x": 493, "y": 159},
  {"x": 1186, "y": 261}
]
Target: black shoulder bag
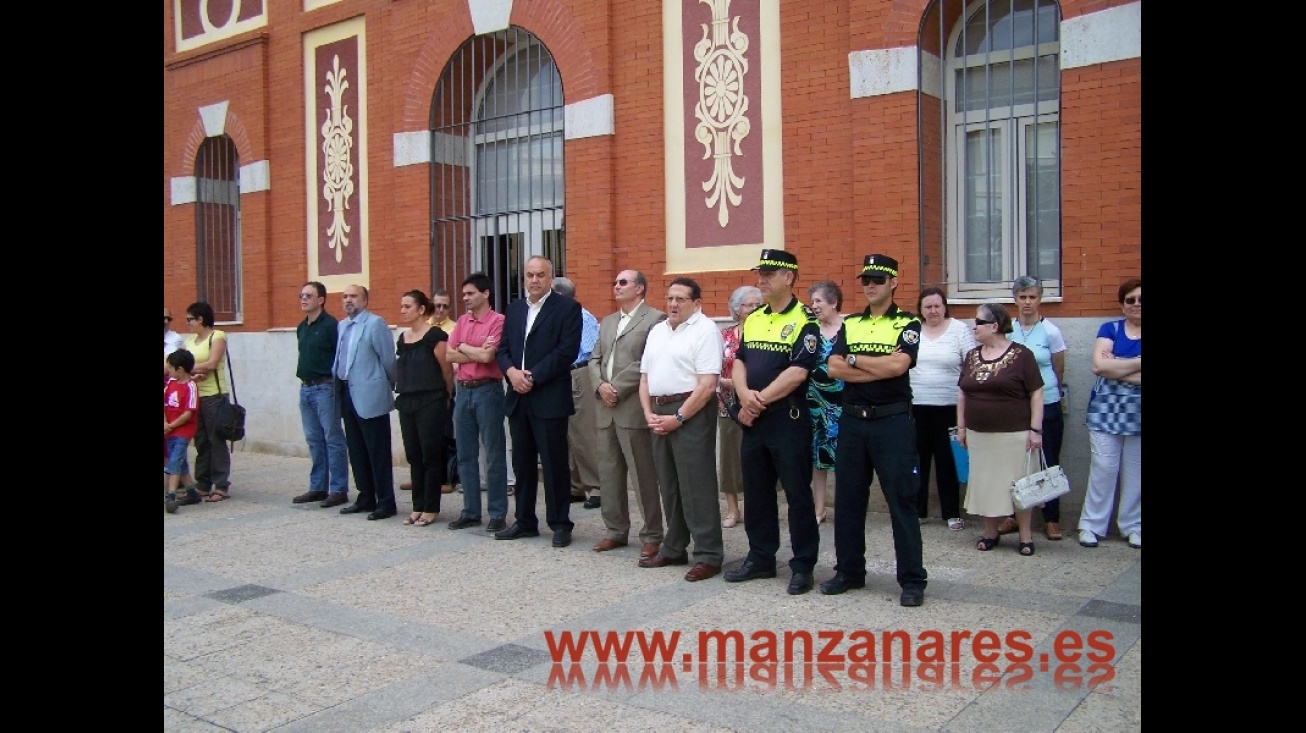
[{"x": 231, "y": 416}]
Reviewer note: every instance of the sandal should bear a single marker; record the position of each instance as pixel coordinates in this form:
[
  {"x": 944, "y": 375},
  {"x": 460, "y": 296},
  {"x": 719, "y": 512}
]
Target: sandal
[
  {"x": 820, "y": 516},
  {"x": 216, "y": 495},
  {"x": 987, "y": 543},
  {"x": 410, "y": 520},
  {"x": 729, "y": 521},
  {"x": 1026, "y": 549},
  {"x": 424, "y": 522}
]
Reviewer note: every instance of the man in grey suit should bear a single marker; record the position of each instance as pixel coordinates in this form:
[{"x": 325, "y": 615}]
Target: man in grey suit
[
  {"x": 365, "y": 381},
  {"x": 624, "y": 441}
]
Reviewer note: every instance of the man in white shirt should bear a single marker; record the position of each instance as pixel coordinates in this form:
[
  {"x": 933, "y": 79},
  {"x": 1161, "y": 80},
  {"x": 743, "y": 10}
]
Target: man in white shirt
[
  {"x": 677, "y": 389},
  {"x": 171, "y": 341}
]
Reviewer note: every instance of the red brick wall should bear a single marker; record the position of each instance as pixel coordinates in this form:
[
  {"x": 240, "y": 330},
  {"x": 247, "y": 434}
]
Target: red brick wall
[{"x": 850, "y": 166}]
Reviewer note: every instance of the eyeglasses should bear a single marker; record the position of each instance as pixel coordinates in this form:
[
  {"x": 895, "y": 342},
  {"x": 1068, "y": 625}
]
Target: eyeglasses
[
  {"x": 307, "y": 296},
  {"x": 1131, "y": 300},
  {"x": 877, "y": 279},
  {"x": 623, "y": 282},
  {"x": 982, "y": 322},
  {"x": 190, "y": 319}
]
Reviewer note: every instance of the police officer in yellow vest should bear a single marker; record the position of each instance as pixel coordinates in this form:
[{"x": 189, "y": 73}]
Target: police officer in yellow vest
[
  {"x": 872, "y": 354},
  {"x": 778, "y": 351}
]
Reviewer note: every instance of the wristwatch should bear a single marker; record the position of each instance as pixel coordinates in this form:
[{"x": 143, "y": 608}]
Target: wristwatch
[
  {"x": 680, "y": 418},
  {"x": 852, "y": 361}
]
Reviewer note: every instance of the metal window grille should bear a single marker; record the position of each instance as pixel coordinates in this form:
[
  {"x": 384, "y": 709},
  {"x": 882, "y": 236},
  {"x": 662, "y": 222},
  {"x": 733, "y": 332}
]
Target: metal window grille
[
  {"x": 217, "y": 221},
  {"x": 497, "y": 188},
  {"x": 998, "y": 140}
]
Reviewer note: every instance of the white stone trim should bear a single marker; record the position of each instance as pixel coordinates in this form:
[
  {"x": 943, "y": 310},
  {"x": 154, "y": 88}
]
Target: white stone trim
[
  {"x": 256, "y": 176},
  {"x": 882, "y": 71},
  {"x": 489, "y": 16},
  {"x": 589, "y": 117},
  {"x": 183, "y": 190},
  {"x": 931, "y": 75},
  {"x": 1114, "y": 34},
  {"x": 412, "y": 148},
  {"x": 215, "y": 118}
]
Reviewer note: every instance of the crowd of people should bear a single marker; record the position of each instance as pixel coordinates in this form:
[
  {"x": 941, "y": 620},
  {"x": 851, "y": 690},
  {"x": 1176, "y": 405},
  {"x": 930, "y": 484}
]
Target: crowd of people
[{"x": 646, "y": 398}]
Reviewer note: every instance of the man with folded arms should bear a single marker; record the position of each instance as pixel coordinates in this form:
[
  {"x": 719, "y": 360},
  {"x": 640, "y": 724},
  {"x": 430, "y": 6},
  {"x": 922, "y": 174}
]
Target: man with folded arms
[
  {"x": 625, "y": 443},
  {"x": 478, "y": 411},
  {"x": 328, "y": 478},
  {"x": 677, "y": 389},
  {"x": 872, "y": 354}
]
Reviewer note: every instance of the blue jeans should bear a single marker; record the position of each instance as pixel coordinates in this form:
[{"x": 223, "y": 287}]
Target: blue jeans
[
  {"x": 176, "y": 465},
  {"x": 325, "y": 438},
  {"x": 478, "y": 419}
]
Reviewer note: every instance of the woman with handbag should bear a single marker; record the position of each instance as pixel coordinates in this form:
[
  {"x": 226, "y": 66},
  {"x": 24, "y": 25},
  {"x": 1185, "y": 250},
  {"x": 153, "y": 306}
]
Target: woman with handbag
[
  {"x": 212, "y": 458},
  {"x": 999, "y": 420},
  {"x": 1115, "y": 424},
  {"x": 743, "y": 302},
  {"x": 423, "y": 381},
  {"x": 945, "y": 341}
]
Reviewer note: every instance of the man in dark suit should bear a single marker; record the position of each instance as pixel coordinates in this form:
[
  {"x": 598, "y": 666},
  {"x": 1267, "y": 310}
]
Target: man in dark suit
[
  {"x": 541, "y": 337},
  {"x": 625, "y": 443},
  {"x": 365, "y": 383}
]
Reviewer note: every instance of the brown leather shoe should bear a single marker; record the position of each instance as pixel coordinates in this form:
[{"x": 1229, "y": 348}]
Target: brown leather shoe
[
  {"x": 336, "y": 499},
  {"x": 606, "y": 544},
  {"x": 662, "y": 561},
  {"x": 702, "y": 571},
  {"x": 406, "y": 486},
  {"x": 1008, "y": 526},
  {"x": 649, "y": 549},
  {"x": 1052, "y": 530}
]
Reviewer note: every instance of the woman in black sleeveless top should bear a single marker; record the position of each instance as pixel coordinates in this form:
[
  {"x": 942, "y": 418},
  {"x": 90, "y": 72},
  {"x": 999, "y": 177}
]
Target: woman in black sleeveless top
[{"x": 423, "y": 379}]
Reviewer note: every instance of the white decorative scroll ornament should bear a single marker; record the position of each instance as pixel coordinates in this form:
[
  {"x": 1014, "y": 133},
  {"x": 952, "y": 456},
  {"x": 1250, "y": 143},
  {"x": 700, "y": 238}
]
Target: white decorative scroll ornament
[
  {"x": 721, "y": 105},
  {"x": 338, "y": 168}
]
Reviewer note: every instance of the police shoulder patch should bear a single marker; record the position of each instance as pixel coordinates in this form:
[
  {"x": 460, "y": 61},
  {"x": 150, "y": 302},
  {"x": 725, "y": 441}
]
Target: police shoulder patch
[
  {"x": 911, "y": 337},
  {"x": 808, "y": 313},
  {"x": 810, "y": 342}
]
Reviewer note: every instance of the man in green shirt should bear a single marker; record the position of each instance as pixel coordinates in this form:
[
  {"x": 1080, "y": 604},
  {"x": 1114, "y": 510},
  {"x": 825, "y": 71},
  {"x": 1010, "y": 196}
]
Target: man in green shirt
[{"x": 328, "y": 479}]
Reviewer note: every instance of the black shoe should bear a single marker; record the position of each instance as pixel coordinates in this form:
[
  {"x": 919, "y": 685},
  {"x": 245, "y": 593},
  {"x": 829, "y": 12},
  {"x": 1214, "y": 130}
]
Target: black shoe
[
  {"x": 516, "y": 531},
  {"x": 562, "y": 538},
  {"x": 336, "y": 499},
  {"x": 309, "y": 496},
  {"x": 578, "y": 499},
  {"x": 356, "y": 509},
  {"x": 381, "y": 514},
  {"x": 191, "y": 497},
  {"x": 840, "y": 583},
  {"x": 748, "y": 571},
  {"x": 912, "y": 597},
  {"x": 800, "y": 583},
  {"x": 496, "y": 525},
  {"x": 170, "y": 503},
  {"x": 463, "y": 523},
  {"x": 594, "y": 502}
]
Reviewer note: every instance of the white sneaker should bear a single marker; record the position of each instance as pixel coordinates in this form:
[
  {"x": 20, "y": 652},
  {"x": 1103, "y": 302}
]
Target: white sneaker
[
  {"x": 1087, "y": 538},
  {"x": 956, "y": 524},
  {"x": 1136, "y": 540}
]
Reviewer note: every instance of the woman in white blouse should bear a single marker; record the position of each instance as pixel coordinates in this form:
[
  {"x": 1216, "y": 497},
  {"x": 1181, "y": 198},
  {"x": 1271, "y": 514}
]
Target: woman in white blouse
[{"x": 944, "y": 341}]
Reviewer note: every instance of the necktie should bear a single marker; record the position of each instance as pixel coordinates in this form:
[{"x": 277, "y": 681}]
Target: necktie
[{"x": 342, "y": 351}]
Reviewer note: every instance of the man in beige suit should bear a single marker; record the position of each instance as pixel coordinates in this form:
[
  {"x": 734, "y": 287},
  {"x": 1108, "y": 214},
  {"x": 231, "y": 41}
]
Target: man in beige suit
[{"x": 625, "y": 443}]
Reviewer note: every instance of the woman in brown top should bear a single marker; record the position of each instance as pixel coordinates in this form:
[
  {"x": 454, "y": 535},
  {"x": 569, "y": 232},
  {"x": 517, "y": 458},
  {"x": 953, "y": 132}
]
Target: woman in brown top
[{"x": 1000, "y": 418}]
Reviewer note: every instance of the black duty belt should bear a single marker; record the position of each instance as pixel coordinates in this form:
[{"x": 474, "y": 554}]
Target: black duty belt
[
  {"x": 314, "y": 382},
  {"x": 866, "y": 412},
  {"x": 580, "y": 364},
  {"x": 667, "y": 399},
  {"x": 474, "y": 383}
]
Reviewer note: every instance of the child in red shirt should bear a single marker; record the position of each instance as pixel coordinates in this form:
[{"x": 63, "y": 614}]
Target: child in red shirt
[{"x": 181, "y": 399}]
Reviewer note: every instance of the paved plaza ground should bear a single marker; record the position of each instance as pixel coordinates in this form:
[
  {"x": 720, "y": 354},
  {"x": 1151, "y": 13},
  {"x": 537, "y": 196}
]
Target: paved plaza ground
[{"x": 281, "y": 617}]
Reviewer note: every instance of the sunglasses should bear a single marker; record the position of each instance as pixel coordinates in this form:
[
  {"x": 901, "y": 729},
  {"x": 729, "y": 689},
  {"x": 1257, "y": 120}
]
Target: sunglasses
[
  {"x": 623, "y": 282},
  {"x": 877, "y": 279},
  {"x": 982, "y": 322},
  {"x": 307, "y": 296},
  {"x": 1131, "y": 300}
]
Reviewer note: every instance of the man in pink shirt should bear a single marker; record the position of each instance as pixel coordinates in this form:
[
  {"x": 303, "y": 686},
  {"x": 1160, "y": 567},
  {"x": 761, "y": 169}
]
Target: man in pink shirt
[{"x": 478, "y": 411}]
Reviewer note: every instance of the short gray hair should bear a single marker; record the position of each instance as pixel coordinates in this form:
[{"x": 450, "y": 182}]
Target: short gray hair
[
  {"x": 1026, "y": 282},
  {"x": 737, "y": 298},
  {"x": 564, "y": 286}
]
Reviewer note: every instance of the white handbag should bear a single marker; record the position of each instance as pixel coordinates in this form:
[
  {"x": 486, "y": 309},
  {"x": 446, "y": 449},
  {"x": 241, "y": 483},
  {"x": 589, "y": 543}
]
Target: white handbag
[{"x": 1040, "y": 487}]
